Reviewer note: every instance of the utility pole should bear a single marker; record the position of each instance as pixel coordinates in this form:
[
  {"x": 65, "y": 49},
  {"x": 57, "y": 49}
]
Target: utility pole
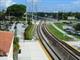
[
  {"x": 32, "y": 9},
  {"x": 36, "y": 13},
  {"x": 26, "y": 10},
  {"x": 57, "y": 15}
]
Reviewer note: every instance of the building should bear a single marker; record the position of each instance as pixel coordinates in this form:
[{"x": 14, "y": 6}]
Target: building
[
  {"x": 6, "y": 45},
  {"x": 71, "y": 18}
]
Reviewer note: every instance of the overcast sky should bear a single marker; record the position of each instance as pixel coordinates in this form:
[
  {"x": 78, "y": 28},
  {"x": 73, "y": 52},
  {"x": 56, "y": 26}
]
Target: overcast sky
[{"x": 45, "y": 5}]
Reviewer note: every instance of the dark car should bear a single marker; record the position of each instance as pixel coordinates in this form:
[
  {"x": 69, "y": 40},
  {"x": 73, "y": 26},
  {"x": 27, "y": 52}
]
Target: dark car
[
  {"x": 70, "y": 31},
  {"x": 78, "y": 33}
]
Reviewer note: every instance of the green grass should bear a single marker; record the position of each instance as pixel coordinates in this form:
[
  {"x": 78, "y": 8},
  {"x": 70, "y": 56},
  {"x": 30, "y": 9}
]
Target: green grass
[
  {"x": 29, "y": 31},
  {"x": 77, "y": 36},
  {"x": 57, "y": 34},
  {"x": 16, "y": 44},
  {"x": 60, "y": 25}
]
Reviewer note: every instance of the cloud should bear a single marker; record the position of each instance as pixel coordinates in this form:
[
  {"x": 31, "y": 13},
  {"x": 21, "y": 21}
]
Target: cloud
[
  {"x": 76, "y": 2},
  {"x": 6, "y": 3}
]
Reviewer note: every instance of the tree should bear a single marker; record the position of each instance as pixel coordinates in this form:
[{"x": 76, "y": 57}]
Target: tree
[
  {"x": 16, "y": 48},
  {"x": 77, "y": 27},
  {"x": 77, "y": 15},
  {"x": 16, "y": 10},
  {"x": 60, "y": 15},
  {"x": 2, "y": 15},
  {"x": 29, "y": 21}
]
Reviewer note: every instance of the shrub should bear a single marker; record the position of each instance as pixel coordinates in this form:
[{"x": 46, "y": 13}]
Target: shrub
[
  {"x": 77, "y": 27},
  {"x": 28, "y": 34},
  {"x": 16, "y": 43}
]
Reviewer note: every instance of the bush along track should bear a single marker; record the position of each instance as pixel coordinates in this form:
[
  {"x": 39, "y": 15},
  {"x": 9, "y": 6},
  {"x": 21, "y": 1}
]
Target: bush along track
[{"x": 29, "y": 31}]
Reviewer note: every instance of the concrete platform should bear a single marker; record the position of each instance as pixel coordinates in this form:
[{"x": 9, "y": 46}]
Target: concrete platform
[{"x": 32, "y": 50}]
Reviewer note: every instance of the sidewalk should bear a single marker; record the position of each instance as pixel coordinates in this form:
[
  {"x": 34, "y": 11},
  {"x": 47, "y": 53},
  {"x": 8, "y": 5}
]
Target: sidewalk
[{"x": 30, "y": 50}]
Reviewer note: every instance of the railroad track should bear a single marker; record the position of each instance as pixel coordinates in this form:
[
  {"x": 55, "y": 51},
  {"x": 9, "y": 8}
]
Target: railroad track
[{"x": 57, "y": 49}]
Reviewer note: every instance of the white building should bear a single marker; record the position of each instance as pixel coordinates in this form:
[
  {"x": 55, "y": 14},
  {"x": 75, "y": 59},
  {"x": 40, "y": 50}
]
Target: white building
[
  {"x": 68, "y": 27},
  {"x": 71, "y": 18},
  {"x": 6, "y": 45}
]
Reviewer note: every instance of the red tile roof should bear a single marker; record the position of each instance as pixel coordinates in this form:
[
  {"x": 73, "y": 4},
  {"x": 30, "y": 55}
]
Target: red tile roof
[{"x": 6, "y": 39}]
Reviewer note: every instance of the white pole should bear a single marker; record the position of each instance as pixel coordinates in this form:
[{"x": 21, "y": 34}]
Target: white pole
[
  {"x": 32, "y": 10},
  {"x": 26, "y": 10}
]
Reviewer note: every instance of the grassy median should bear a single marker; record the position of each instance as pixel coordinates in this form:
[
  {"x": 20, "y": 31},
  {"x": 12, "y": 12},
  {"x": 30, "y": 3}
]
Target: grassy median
[
  {"x": 29, "y": 31},
  {"x": 57, "y": 34}
]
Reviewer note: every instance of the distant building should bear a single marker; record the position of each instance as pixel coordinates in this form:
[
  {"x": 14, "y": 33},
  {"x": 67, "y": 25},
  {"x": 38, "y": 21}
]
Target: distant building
[
  {"x": 6, "y": 45},
  {"x": 68, "y": 27},
  {"x": 10, "y": 17},
  {"x": 71, "y": 18}
]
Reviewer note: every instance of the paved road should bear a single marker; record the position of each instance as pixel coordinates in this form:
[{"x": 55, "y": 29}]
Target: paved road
[{"x": 75, "y": 44}]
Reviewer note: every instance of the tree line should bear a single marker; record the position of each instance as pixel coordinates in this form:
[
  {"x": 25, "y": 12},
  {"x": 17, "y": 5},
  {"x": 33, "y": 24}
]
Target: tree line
[{"x": 59, "y": 15}]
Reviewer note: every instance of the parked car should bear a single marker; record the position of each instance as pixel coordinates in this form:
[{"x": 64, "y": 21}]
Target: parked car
[
  {"x": 70, "y": 31},
  {"x": 78, "y": 33}
]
